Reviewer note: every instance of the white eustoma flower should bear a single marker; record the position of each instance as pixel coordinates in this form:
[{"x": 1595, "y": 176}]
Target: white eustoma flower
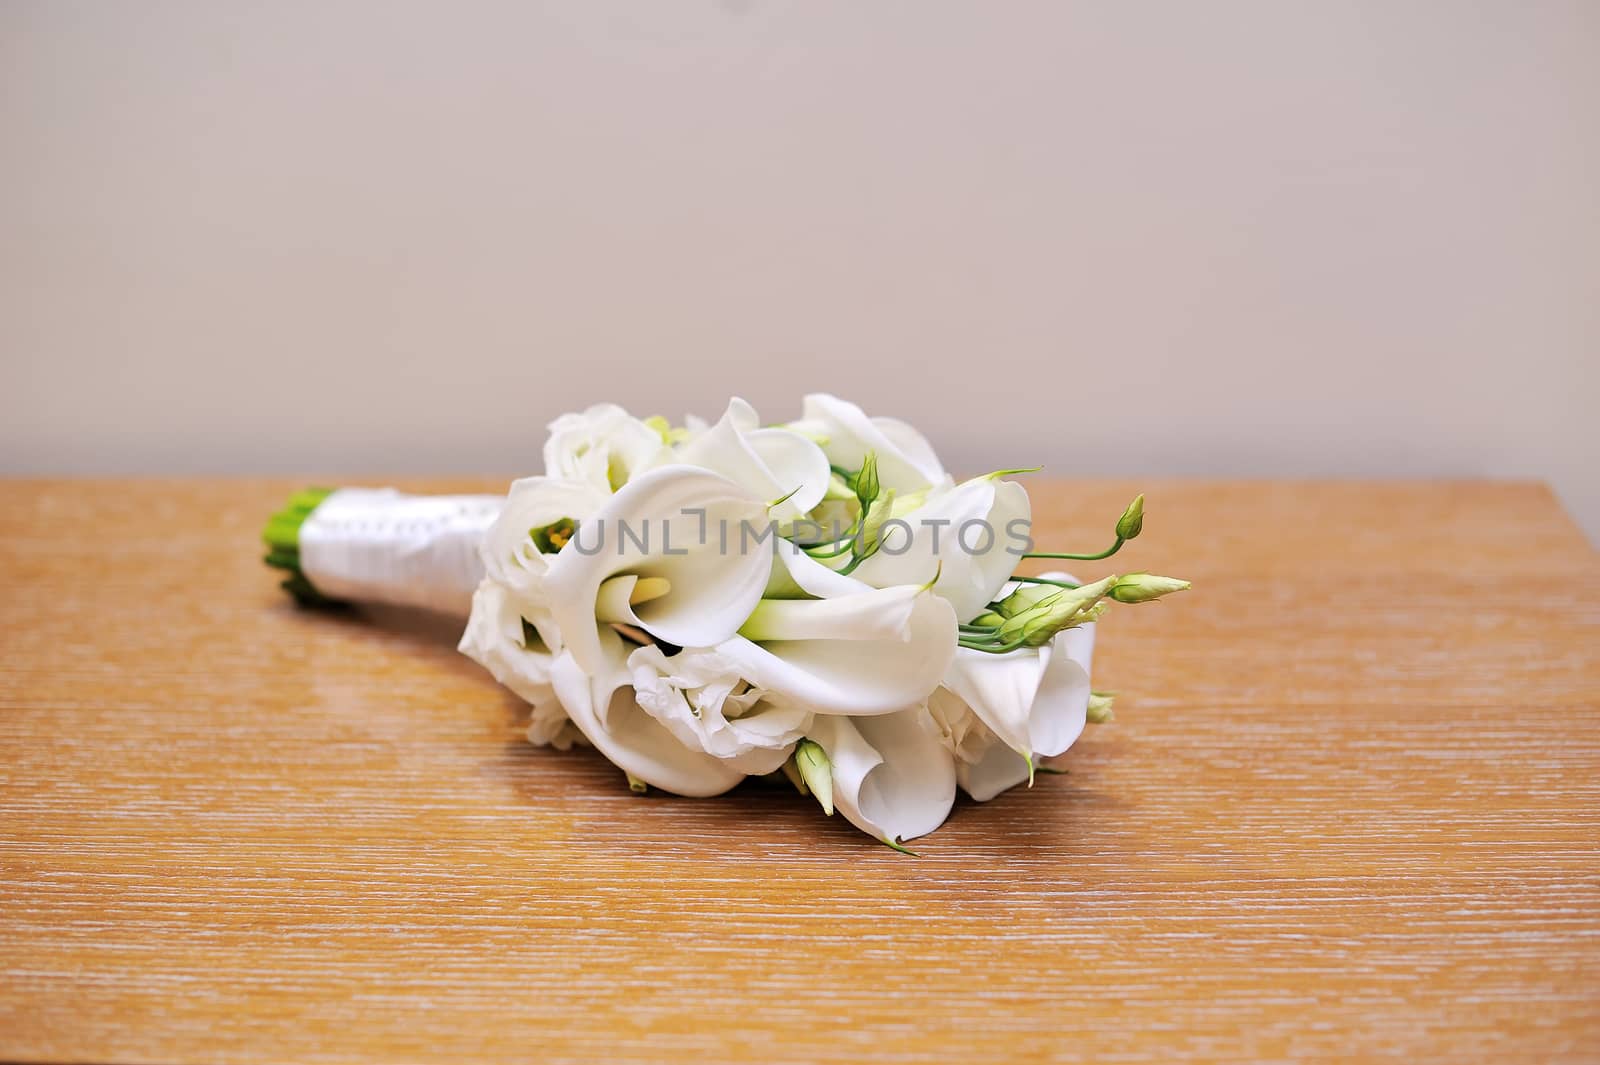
[
  {"x": 604, "y": 447},
  {"x": 771, "y": 463},
  {"x": 892, "y": 777},
  {"x": 511, "y": 556},
  {"x": 602, "y": 705},
  {"x": 1029, "y": 704},
  {"x": 681, "y": 532},
  {"x": 498, "y": 638},
  {"x": 703, "y": 701},
  {"x": 869, "y": 652},
  {"x": 906, "y": 461},
  {"x": 970, "y": 534}
]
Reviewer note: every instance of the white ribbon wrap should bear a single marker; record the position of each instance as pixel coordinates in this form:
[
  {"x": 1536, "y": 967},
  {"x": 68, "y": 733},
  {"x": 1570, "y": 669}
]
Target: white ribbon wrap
[{"x": 377, "y": 545}]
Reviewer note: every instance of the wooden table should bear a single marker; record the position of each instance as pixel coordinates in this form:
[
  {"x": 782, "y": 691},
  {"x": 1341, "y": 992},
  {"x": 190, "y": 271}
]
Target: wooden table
[{"x": 1348, "y": 809}]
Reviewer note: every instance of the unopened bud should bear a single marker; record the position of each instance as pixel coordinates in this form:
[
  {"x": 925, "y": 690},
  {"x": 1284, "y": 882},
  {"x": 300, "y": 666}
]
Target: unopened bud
[
  {"x": 1100, "y": 707},
  {"x": 815, "y": 769},
  {"x": 1144, "y": 587},
  {"x": 1132, "y": 520},
  {"x": 867, "y": 480},
  {"x": 1058, "y": 610}
]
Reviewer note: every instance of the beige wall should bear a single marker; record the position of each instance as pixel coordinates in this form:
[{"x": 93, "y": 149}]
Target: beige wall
[{"x": 1273, "y": 238}]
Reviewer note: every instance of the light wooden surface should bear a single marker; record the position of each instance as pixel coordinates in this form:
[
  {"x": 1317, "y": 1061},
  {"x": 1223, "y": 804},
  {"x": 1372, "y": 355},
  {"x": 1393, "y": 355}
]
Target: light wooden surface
[{"x": 1348, "y": 809}]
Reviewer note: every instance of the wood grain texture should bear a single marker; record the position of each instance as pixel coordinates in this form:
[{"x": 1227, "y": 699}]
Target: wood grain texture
[{"x": 1349, "y": 809}]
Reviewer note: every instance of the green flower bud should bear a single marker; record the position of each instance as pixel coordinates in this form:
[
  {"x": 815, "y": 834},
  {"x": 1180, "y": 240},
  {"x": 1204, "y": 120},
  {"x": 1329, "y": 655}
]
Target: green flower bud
[
  {"x": 1063, "y": 608},
  {"x": 867, "y": 480},
  {"x": 1100, "y": 707},
  {"x": 1144, "y": 587},
  {"x": 1024, "y": 598},
  {"x": 792, "y": 771},
  {"x": 817, "y": 772},
  {"x": 1132, "y": 520}
]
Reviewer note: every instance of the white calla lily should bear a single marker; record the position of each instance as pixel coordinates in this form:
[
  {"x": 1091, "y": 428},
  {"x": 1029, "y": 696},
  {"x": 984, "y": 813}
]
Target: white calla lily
[
  {"x": 497, "y": 638},
  {"x": 770, "y": 463},
  {"x": 603, "y": 707},
  {"x": 906, "y": 461},
  {"x": 703, "y": 701},
  {"x": 966, "y": 534},
  {"x": 604, "y": 447},
  {"x": 796, "y": 575},
  {"x": 892, "y": 777},
  {"x": 681, "y": 526},
  {"x": 872, "y": 652}
]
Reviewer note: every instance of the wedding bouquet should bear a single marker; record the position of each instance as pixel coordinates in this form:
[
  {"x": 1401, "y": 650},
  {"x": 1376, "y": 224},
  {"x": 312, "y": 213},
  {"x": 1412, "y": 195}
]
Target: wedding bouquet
[{"x": 702, "y": 603}]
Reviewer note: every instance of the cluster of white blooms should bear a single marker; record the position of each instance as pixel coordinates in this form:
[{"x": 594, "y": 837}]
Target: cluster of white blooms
[{"x": 706, "y": 603}]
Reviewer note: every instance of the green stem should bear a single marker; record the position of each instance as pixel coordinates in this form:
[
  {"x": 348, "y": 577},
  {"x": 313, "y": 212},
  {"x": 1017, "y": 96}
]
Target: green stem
[
  {"x": 1046, "y": 580},
  {"x": 844, "y": 545},
  {"x": 1107, "y": 553},
  {"x": 990, "y": 647}
]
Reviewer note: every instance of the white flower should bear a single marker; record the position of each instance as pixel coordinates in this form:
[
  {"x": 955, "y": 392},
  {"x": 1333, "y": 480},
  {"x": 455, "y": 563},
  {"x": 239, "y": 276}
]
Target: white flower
[
  {"x": 906, "y": 461},
  {"x": 770, "y": 463},
  {"x": 604, "y": 447},
  {"x": 516, "y": 654},
  {"x": 511, "y": 554},
  {"x": 892, "y": 777},
  {"x": 872, "y": 651},
  {"x": 681, "y": 529},
  {"x": 703, "y": 701},
  {"x": 1027, "y": 705},
  {"x": 969, "y": 534},
  {"x": 602, "y": 705}
]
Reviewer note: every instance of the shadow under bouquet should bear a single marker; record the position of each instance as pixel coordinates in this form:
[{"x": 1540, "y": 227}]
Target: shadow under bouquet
[{"x": 707, "y": 602}]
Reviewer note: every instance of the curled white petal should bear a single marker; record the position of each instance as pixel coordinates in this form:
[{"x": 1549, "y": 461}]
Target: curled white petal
[
  {"x": 967, "y": 534},
  {"x": 902, "y": 646},
  {"x": 603, "y": 707},
  {"x": 769, "y": 463},
  {"x": 906, "y": 462},
  {"x": 667, "y": 524},
  {"x": 808, "y": 576},
  {"x": 892, "y": 778}
]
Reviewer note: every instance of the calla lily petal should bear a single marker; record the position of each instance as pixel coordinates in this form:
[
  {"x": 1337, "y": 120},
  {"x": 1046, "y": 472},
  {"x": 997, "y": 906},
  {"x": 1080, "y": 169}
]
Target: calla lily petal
[
  {"x": 850, "y": 434},
  {"x": 854, "y": 676},
  {"x": 942, "y": 540},
  {"x": 768, "y": 463},
  {"x": 603, "y": 707},
  {"x": 814, "y": 578},
  {"x": 892, "y": 778},
  {"x": 914, "y": 446},
  {"x": 681, "y": 512}
]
